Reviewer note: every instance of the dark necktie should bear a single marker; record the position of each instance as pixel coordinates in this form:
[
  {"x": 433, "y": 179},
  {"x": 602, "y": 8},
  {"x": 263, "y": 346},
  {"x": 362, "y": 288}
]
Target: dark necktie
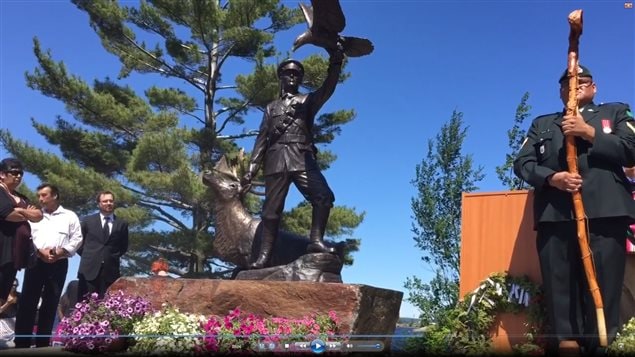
[{"x": 105, "y": 228}]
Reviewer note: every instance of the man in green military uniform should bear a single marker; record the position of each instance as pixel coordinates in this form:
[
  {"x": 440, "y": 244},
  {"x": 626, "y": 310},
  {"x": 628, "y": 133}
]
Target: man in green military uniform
[
  {"x": 285, "y": 145},
  {"x": 605, "y": 140}
]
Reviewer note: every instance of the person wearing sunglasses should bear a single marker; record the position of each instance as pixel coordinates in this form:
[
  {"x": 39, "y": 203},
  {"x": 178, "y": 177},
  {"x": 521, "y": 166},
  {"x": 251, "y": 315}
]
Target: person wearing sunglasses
[
  {"x": 285, "y": 148},
  {"x": 605, "y": 142},
  {"x": 15, "y": 231}
]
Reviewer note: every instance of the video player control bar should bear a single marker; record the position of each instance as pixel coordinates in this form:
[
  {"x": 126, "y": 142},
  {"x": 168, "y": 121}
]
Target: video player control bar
[{"x": 319, "y": 346}]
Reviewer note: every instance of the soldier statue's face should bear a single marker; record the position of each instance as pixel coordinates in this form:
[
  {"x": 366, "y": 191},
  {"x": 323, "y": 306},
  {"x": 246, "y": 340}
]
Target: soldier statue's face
[{"x": 290, "y": 80}]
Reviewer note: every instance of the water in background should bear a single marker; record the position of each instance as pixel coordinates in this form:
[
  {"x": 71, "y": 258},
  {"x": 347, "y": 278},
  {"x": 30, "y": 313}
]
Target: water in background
[{"x": 401, "y": 336}]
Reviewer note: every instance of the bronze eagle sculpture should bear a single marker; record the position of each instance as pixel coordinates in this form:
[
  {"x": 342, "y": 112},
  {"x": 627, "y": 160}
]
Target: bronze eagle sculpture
[{"x": 326, "y": 21}]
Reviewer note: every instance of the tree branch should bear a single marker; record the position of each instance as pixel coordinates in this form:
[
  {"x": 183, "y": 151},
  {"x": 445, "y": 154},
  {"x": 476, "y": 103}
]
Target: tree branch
[
  {"x": 178, "y": 252},
  {"x": 157, "y": 32},
  {"x": 163, "y": 219},
  {"x": 200, "y": 120},
  {"x": 171, "y": 69},
  {"x": 239, "y": 136},
  {"x": 232, "y": 115},
  {"x": 170, "y": 202},
  {"x": 167, "y": 218}
]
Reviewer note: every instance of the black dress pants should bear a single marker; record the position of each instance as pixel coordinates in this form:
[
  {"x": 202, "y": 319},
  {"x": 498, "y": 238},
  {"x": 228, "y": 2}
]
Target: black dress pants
[
  {"x": 98, "y": 285},
  {"x": 570, "y": 307},
  {"x": 7, "y": 277},
  {"x": 45, "y": 280}
]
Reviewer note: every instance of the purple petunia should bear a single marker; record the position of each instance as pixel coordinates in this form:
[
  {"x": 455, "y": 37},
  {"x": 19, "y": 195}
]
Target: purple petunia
[{"x": 97, "y": 322}]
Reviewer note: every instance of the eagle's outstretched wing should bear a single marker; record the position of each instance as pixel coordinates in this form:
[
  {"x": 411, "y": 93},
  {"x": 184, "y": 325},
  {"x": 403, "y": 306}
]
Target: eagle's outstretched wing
[
  {"x": 325, "y": 21},
  {"x": 328, "y": 18}
]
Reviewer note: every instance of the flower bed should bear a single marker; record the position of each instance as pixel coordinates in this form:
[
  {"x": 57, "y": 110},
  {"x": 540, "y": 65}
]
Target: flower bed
[
  {"x": 169, "y": 331},
  {"x": 98, "y": 326},
  {"x": 96, "y": 323},
  {"x": 242, "y": 332}
]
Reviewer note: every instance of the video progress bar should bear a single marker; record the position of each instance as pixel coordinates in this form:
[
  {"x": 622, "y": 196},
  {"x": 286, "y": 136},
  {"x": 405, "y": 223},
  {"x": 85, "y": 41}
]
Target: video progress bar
[{"x": 328, "y": 346}]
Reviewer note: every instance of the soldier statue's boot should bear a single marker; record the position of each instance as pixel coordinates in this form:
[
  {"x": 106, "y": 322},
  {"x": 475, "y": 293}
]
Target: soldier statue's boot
[
  {"x": 269, "y": 233},
  {"x": 318, "y": 226}
]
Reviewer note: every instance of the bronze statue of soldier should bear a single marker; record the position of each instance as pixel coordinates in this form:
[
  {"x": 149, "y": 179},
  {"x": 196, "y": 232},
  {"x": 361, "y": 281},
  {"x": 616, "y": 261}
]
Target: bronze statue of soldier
[{"x": 286, "y": 148}]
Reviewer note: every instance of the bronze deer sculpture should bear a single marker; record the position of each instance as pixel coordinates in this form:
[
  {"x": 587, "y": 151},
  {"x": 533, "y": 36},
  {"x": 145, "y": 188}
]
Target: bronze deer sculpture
[{"x": 237, "y": 238}]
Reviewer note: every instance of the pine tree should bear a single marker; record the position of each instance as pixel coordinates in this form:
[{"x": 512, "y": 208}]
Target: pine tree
[
  {"x": 441, "y": 178},
  {"x": 150, "y": 148},
  {"x": 515, "y": 135}
]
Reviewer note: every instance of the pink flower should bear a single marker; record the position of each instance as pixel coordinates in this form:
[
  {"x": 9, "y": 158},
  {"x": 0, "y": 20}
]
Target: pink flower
[
  {"x": 333, "y": 316},
  {"x": 234, "y": 332}
]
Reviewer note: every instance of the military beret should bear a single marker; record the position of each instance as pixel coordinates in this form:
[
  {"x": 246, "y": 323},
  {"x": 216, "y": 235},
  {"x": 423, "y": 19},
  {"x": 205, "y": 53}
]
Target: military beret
[
  {"x": 291, "y": 64},
  {"x": 582, "y": 72}
]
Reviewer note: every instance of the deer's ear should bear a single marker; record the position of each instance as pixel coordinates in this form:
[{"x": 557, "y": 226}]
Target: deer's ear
[{"x": 222, "y": 165}]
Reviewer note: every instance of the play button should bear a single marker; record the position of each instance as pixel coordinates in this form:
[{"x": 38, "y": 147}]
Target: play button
[{"x": 318, "y": 346}]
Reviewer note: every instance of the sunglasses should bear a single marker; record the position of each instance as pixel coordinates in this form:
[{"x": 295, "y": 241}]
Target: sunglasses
[
  {"x": 16, "y": 173},
  {"x": 581, "y": 85}
]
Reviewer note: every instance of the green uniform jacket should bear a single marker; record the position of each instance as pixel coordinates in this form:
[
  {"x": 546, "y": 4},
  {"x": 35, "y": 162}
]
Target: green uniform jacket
[{"x": 605, "y": 189}]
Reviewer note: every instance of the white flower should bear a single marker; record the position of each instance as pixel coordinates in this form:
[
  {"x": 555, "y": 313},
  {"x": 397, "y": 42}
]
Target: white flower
[{"x": 176, "y": 331}]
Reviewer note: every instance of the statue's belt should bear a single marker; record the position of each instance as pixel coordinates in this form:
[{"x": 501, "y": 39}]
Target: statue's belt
[{"x": 292, "y": 138}]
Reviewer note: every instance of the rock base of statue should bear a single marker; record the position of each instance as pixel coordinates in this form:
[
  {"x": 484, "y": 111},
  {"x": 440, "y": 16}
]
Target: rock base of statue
[
  {"x": 362, "y": 310},
  {"x": 318, "y": 267}
]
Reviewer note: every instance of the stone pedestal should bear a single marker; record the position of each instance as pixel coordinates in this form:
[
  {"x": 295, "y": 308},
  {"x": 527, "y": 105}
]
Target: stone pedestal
[{"x": 362, "y": 309}]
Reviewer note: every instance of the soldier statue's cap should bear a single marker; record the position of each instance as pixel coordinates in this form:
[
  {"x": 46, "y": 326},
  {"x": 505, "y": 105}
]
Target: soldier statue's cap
[
  {"x": 582, "y": 72},
  {"x": 291, "y": 64}
]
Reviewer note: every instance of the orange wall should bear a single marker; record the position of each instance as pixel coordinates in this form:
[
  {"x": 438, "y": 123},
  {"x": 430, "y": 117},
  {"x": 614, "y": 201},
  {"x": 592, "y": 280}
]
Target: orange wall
[{"x": 497, "y": 235}]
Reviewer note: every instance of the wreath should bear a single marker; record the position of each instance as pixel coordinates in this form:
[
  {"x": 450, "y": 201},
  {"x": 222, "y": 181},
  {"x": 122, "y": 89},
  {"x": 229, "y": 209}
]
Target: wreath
[
  {"x": 466, "y": 328},
  {"x": 624, "y": 343}
]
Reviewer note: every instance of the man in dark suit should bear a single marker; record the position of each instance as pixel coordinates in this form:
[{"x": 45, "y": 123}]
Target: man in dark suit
[
  {"x": 105, "y": 241},
  {"x": 605, "y": 140},
  {"x": 285, "y": 145}
]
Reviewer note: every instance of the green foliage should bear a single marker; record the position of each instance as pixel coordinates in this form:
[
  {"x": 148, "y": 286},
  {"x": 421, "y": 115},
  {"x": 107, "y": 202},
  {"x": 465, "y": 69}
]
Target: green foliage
[
  {"x": 432, "y": 298},
  {"x": 465, "y": 328},
  {"x": 342, "y": 221},
  {"x": 150, "y": 145},
  {"x": 516, "y": 136},
  {"x": 441, "y": 178},
  {"x": 624, "y": 343}
]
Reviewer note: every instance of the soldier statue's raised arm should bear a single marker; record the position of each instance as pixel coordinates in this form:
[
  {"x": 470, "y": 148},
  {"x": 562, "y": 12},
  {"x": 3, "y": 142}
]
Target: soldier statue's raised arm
[{"x": 285, "y": 148}]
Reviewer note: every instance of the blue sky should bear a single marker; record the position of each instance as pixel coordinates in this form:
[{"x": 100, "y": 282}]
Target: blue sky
[{"x": 430, "y": 58}]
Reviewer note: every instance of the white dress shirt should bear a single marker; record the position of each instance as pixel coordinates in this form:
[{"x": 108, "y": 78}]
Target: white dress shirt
[
  {"x": 60, "y": 228},
  {"x": 111, "y": 219}
]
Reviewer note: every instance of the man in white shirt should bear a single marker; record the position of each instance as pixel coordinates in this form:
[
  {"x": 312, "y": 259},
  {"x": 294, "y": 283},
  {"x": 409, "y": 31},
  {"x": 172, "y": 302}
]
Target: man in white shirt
[{"x": 57, "y": 236}]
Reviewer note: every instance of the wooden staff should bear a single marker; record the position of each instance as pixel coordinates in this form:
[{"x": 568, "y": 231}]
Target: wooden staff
[{"x": 575, "y": 22}]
